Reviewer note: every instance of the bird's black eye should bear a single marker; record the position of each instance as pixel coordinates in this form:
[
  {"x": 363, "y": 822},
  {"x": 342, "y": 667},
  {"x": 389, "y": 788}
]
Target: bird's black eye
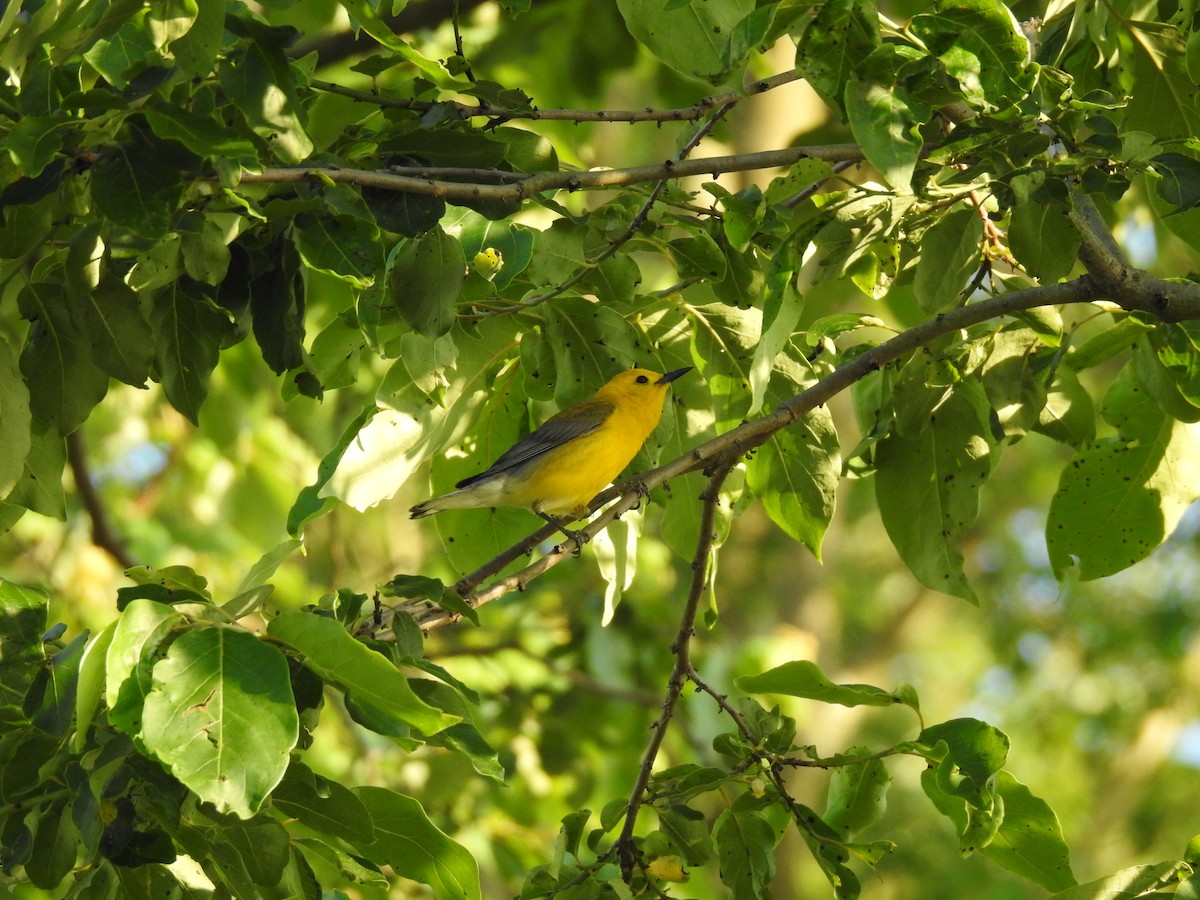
[{"x": 642, "y": 379}]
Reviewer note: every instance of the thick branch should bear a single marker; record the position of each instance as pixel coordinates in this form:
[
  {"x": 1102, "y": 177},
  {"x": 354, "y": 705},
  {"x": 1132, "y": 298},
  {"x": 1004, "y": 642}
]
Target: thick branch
[
  {"x": 542, "y": 182},
  {"x": 1121, "y": 282}
]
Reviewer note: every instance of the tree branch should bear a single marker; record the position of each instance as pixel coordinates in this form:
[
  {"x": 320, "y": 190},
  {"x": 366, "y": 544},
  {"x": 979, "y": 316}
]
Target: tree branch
[
  {"x": 104, "y": 534},
  {"x": 635, "y": 224},
  {"x": 483, "y": 109},
  {"x": 726, "y": 448},
  {"x": 683, "y": 665},
  {"x": 535, "y": 183}
]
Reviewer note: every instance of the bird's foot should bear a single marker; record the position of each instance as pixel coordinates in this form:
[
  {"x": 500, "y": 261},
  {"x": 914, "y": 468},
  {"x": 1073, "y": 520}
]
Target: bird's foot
[{"x": 579, "y": 537}]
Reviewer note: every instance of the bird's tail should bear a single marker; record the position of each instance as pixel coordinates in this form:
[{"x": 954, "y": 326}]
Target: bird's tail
[
  {"x": 452, "y": 500},
  {"x": 421, "y": 510}
]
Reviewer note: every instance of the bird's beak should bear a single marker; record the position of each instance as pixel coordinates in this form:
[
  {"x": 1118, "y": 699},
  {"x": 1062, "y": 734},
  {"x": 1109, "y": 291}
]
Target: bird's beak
[{"x": 671, "y": 376}]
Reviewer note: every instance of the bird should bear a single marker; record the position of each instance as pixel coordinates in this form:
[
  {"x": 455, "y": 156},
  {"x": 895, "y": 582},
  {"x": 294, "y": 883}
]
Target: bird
[{"x": 558, "y": 468}]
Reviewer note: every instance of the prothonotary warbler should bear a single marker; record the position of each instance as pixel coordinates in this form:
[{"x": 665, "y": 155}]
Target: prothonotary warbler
[{"x": 561, "y": 465}]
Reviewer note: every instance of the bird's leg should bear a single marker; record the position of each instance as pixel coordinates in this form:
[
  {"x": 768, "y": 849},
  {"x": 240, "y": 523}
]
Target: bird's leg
[
  {"x": 639, "y": 487},
  {"x": 579, "y": 537}
]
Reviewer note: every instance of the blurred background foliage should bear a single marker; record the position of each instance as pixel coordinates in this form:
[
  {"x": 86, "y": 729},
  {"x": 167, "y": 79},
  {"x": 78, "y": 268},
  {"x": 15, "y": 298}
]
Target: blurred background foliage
[{"x": 1096, "y": 683}]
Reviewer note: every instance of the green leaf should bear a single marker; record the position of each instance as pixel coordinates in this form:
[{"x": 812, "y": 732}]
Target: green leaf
[
  {"x": 557, "y": 254},
  {"x": 1030, "y": 841},
  {"x": 690, "y": 36},
  {"x": 143, "y": 626},
  {"x": 409, "y": 215},
  {"x": 1122, "y": 335},
  {"x": 118, "y": 57},
  {"x": 781, "y": 308},
  {"x": 64, "y": 382},
  {"x": 205, "y": 252},
  {"x": 1127, "y": 884},
  {"x": 196, "y": 51},
  {"x": 857, "y": 795},
  {"x": 50, "y": 703},
  {"x": 1167, "y": 362},
  {"x": 844, "y": 33},
  {"x": 222, "y": 717},
  {"x": 258, "y": 851},
  {"x": 136, "y": 186},
  {"x": 170, "y": 584},
  {"x": 1179, "y": 181},
  {"x": 92, "y": 680},
  {"x": 15, "y": 420},
  {"x": 698, "y": 256},
  {"x": 312, "y": 501},
  {"x": 415, "y": 848},
  {"x": 465, "y": 738},
  {"x": 1012, "y": 379},
  {"x": 343, "y": 246},
  {"x": 745, "y": 842},
  {"x": 950, "y": 254},
  {"x": 802, "y": 678},
  {"x": 260, "y": 573},
  {"x": 203, "y": 135},
  {"x": 513, "y": 242},
  {"x": 322, "y": 804},
  {"x": 188, "y": 334},
  {"x": 1041, "y": 234},
  {"x": 1118, "y": 499},
  {"x": 259, "y": 81},
  {"x": 590, "y": 342},
  {"x": 363, "y": 14},
  {"x": 978, "y": 750},
  {"x": 55, "y": 843},
  {"x": 425, "y": 281},
  {"x": 168, "y": 21},
  {"x": 33, "y": 143},
  {"x": 981, "y": 44},
  {"x": 1163, "y": 97},
  {"x": 828, "y": 852},
  {"x": 121, "y": 341},
  {"x": 336, "y": 353},
  {"x": 1069, "y": 415},
  {"x": 928, "y": 489},
  {"x": 796, "y": 472},
  {"x": 365, "y": 675},
  {"x": 885, "y": 120}
]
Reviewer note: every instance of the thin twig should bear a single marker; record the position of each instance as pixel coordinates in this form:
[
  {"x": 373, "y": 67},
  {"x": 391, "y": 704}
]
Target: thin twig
[
  {"x": 635, "y": 224},
  {"x": 800, "y": 196},
  {"x": 458, "y": 44},
  {"x": 482, "y": 109},
  {"x": 683, "y": 665}
]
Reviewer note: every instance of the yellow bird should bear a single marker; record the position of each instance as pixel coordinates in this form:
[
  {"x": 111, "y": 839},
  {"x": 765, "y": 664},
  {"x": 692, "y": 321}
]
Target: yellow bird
[{"x": 561, "y": 465}]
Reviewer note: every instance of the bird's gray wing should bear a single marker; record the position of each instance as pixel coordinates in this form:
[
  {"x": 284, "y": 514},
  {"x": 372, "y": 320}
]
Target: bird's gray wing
[{"x": 568, "y": 425}]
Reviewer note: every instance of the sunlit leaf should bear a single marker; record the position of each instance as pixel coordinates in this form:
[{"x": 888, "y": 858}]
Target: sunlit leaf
[
  {"x": 415, "y": 848},
  {"x": 371, "y": 678},
  {"x": 221, "y": 716}
]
